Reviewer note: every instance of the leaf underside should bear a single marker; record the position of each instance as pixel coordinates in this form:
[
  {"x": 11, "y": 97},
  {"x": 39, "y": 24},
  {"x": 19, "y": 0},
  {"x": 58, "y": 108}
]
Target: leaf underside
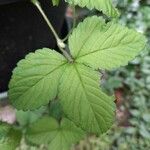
[
  {"x": 105, "y": 6},
  {"x": 104, "y": 46},
  {"x": 35, "y": 80},
  {"x": 82, "y": 100}
]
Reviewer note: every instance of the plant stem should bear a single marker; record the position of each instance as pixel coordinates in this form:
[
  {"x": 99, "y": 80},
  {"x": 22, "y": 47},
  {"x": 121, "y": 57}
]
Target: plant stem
[
  {"x": 60, "y": 43},
  {"x": 67, "y": 36},
  {"x": 66, "y": 54},
  {"x": 38, "y": 5}
]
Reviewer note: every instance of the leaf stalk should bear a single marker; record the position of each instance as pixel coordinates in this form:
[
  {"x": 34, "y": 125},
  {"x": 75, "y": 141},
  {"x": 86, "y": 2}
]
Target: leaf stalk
[{"x": 60, "y": 42}]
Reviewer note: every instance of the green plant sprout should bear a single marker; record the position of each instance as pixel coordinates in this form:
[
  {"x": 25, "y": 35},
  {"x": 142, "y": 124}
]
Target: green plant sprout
[{"x": 73, "y": 78}]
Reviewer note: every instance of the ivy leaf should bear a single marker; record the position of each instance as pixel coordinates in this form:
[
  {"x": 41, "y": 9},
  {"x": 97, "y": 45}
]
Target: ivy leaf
[
  {"x": 35, "y": 79},
  {"x": 105, "y": 6},
  {"x": 58, "y": 136},
  {"x": 11, "y": 141},
  {"x": 55, "y": 2},
  {"x": 104, "y": 46},
  {"x": 82, "y": 100}
]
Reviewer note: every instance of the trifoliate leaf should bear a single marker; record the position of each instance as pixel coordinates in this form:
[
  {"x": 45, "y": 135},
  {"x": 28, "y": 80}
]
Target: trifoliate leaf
[
  {"x": 104, "y": 46},
  {"x": 105, "y": 6},
  {"x": 82, "y": 100},
  {"x": 35, "y": 79},
  {"x": 11, "y": 141},
  {"x": 55, "y": 2},
  {"x": 58, "y": 136}
]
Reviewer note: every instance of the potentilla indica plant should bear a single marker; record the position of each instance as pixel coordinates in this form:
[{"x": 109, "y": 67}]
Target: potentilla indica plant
[{"x": 72, "y": 77}]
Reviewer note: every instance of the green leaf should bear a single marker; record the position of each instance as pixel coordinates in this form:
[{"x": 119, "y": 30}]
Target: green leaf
[
  {"x": 104, "y": 46},
  {"x": 55, "y": 2},
  {"x": 35, "y": 79},
  {"x": 58, "y": 136},
  {"x": 24, "y": 118},
  {"x": 82, "y": 100},
  {"x": 55, "y": 109},
  {"x": 11, "y": 141},
  {"x": 144, "y": 131},
  {"x": 4, "y": 129},
  {"x": 105, "y": 6},
  {"x": 146, "y": 117}
]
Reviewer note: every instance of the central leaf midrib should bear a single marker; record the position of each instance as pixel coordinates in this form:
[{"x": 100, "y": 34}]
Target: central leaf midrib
[
  {"x": 95, "y": 51},
  {"x": 89, "y": 35},
  {"x": 80, "y": 78},
  {"x": 98, "y": 50}
]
